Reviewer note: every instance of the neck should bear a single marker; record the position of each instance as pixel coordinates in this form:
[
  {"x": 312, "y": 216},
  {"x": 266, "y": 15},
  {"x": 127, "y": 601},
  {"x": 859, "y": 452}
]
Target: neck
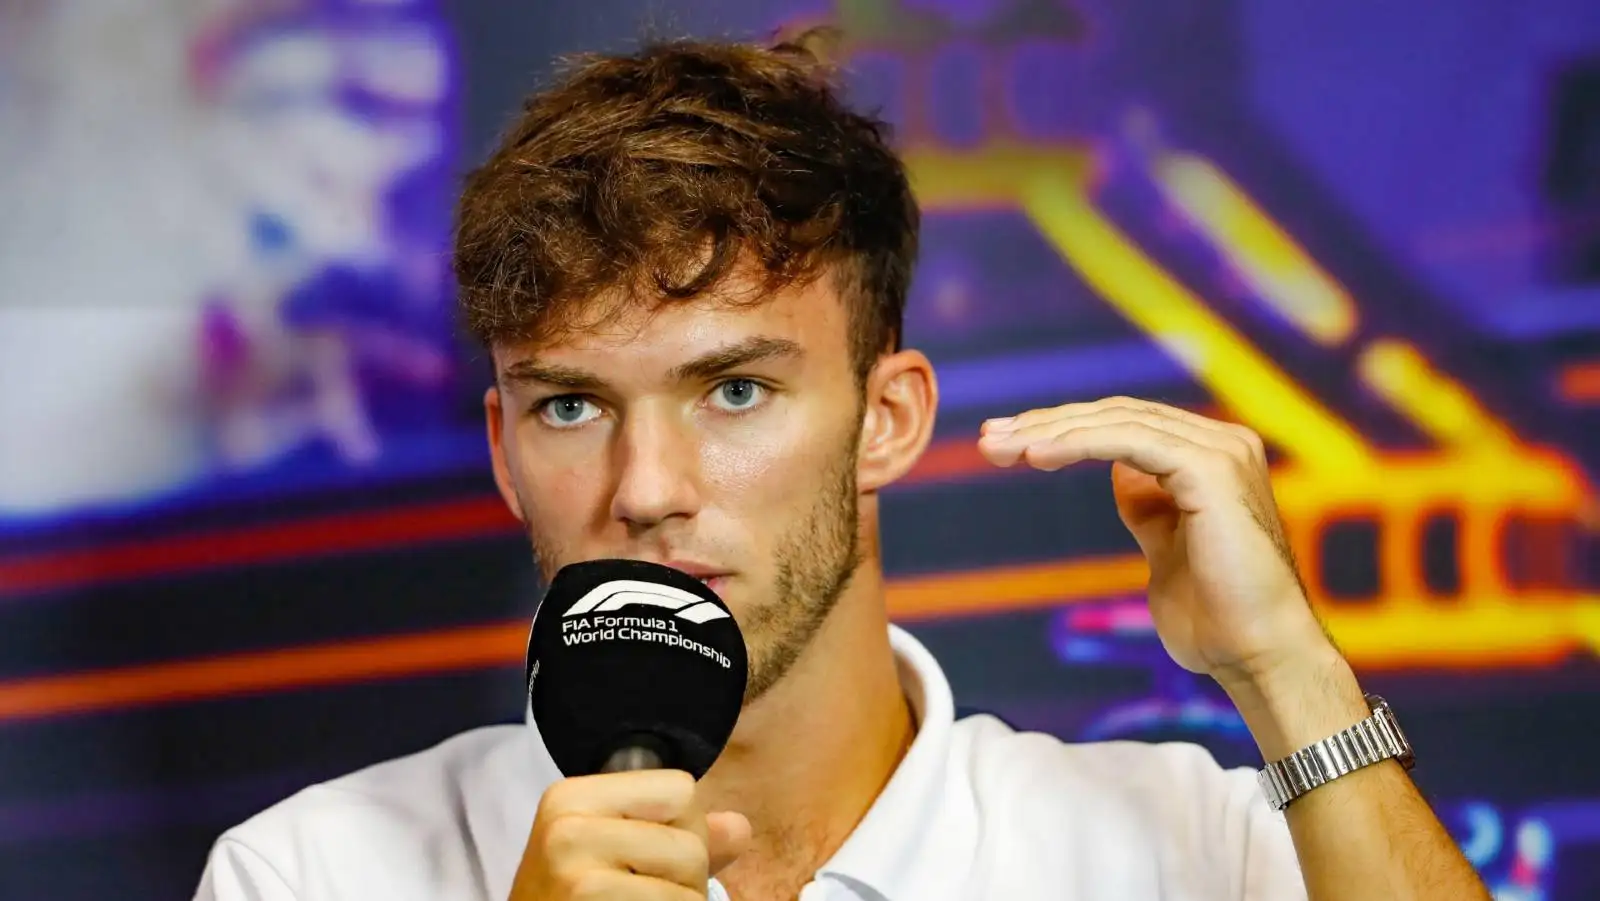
[{"x": 808, "y": 759}]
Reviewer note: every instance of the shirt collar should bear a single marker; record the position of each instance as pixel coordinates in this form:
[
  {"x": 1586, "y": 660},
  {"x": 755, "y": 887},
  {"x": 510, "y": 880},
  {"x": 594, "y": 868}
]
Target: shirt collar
[{"x": 916, "y": 840}]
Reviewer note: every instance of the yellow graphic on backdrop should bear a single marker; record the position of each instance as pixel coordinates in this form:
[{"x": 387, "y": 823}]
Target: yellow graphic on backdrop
[
  {"x": 1481, "y": 475},
  {"x": 1480, "y": 486}
]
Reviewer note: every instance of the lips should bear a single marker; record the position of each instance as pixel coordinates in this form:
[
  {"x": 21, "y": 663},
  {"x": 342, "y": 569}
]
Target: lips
[{"x": 710, "y": 576}]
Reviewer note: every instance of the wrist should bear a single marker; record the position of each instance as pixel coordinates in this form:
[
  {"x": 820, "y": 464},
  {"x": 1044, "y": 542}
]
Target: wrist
[{"x": 1304, "y": 698}]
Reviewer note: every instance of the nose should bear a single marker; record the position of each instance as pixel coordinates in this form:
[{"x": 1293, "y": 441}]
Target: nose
[{"x": 657, "y": 471}]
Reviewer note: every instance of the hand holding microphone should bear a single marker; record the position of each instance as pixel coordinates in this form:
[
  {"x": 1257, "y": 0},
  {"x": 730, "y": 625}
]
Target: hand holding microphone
[
  {"x": 636, "y": 675},
  {"x": 626, "y": 835}
]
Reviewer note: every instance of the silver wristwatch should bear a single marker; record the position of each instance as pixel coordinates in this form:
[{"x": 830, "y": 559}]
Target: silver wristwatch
[{"x": 1376, "y": 738}]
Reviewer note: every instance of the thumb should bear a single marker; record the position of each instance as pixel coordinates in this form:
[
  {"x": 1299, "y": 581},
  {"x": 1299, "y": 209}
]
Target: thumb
[
  {"x": 727, "y": 837},
  {"x": 1146, "y": 508}
]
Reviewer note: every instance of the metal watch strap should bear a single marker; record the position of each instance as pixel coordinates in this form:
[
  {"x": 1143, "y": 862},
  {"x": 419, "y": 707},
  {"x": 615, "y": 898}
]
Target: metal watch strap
[{"x": 1374, "y": 739}]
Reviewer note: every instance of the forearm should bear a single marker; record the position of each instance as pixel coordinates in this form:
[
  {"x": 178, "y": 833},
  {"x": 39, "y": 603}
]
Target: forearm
[{"x": 1368, "y": 834}]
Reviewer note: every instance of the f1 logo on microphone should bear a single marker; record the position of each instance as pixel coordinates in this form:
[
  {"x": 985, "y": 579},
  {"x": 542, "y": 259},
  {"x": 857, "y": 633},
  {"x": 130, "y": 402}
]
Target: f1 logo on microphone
[{"x": 615, "y": 595}]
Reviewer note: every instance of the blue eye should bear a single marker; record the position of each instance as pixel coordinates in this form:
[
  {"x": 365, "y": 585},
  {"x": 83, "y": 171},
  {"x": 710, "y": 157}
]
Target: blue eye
[
  {"x": 738, "y": 394},
  {"x": 567, "y": 411}
]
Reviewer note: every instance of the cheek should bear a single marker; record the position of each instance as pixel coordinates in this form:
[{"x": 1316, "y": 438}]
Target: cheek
[
  {"x": 735, "y": 466},
  {"x": 559, "y": 496},
  {"x": 760, "y": 467},
  {"x": 557, "y": 475}
]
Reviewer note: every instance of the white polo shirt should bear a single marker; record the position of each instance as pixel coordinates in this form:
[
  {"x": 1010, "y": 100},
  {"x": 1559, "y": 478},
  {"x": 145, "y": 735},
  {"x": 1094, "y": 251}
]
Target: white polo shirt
[{"x": 975, "y": 811}]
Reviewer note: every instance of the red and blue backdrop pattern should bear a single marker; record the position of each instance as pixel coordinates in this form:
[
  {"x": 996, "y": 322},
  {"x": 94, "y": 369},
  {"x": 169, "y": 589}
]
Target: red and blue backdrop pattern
[{"x": 247, "y": 539}]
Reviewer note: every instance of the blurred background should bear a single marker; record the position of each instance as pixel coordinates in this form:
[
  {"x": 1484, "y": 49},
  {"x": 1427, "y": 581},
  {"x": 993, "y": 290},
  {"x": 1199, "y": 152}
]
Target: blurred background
[{"x": 247, "y": 535}]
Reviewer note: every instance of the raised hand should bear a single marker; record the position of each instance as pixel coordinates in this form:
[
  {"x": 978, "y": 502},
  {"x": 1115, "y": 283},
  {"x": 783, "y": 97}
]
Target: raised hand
[{"x": 1224, "y": 593}]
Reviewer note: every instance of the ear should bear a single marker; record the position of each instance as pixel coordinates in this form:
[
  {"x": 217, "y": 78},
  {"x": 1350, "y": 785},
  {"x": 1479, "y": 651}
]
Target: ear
[
  {"x": 495, "y": 421},
  {"x": 902, "y": 398}
]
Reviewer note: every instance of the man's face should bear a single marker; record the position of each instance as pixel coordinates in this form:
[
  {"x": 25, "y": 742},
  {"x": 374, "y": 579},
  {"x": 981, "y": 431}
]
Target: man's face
[{"x": 719, "y": 438}]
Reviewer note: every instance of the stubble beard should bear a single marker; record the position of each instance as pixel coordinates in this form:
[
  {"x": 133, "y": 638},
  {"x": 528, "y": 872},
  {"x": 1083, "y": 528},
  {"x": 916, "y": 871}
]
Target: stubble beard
[{"x": 814, "y": 561}]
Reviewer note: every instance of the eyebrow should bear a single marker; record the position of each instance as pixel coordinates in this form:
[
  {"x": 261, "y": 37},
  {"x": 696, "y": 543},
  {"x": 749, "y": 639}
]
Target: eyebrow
[
  {"x": 751, "y": 350},
  {"x": 755, "y": 349},
  {"x": 528, "y": 372}
]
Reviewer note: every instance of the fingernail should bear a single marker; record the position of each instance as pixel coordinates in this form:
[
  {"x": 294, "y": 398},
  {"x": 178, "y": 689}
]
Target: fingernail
[{"x": 998, "y": 425}]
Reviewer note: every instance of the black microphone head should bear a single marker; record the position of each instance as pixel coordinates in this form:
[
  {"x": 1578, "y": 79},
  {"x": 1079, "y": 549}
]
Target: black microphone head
[{"x": 623, "y": 652}]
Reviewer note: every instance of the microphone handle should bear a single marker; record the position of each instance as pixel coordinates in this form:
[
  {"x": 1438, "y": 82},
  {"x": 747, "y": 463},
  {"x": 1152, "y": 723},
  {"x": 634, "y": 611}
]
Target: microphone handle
[{"x": 639, "y": 751}]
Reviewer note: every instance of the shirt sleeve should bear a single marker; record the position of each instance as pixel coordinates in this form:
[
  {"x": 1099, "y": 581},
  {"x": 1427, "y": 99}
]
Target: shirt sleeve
[
  {"x": 234, "y": 872},
  {"x": 1268, "y": 869}
]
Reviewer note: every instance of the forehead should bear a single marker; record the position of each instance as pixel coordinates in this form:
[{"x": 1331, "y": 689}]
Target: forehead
[{"x": 640, "y": 338}]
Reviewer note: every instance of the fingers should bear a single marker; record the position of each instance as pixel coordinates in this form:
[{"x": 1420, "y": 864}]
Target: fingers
[
  {"x": 1179, "y": 448},
  {"x": 1143, "y": 446},
  {"x": 728, "y": 836},
  {"x": 1043, "y": 414},
  {"x": 658, "y": 796},
  {"x": 648, "y": 849},
  {"x": 626, "y": 835},
  {"x": 612, "y": 885},
  {"x": 1034, "y": 442}
]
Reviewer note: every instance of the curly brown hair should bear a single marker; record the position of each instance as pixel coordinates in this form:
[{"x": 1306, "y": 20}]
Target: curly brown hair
[{"x": 653, "y": 175}]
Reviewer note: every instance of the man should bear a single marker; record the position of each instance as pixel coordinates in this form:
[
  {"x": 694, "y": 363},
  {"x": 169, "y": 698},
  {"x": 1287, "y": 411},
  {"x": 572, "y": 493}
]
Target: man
[{"x": 690, "y": 266}]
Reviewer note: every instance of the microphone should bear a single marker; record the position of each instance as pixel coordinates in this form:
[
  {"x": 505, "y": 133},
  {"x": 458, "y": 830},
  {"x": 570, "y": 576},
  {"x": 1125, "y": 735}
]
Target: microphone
[{"x": 633, "y": 665}]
